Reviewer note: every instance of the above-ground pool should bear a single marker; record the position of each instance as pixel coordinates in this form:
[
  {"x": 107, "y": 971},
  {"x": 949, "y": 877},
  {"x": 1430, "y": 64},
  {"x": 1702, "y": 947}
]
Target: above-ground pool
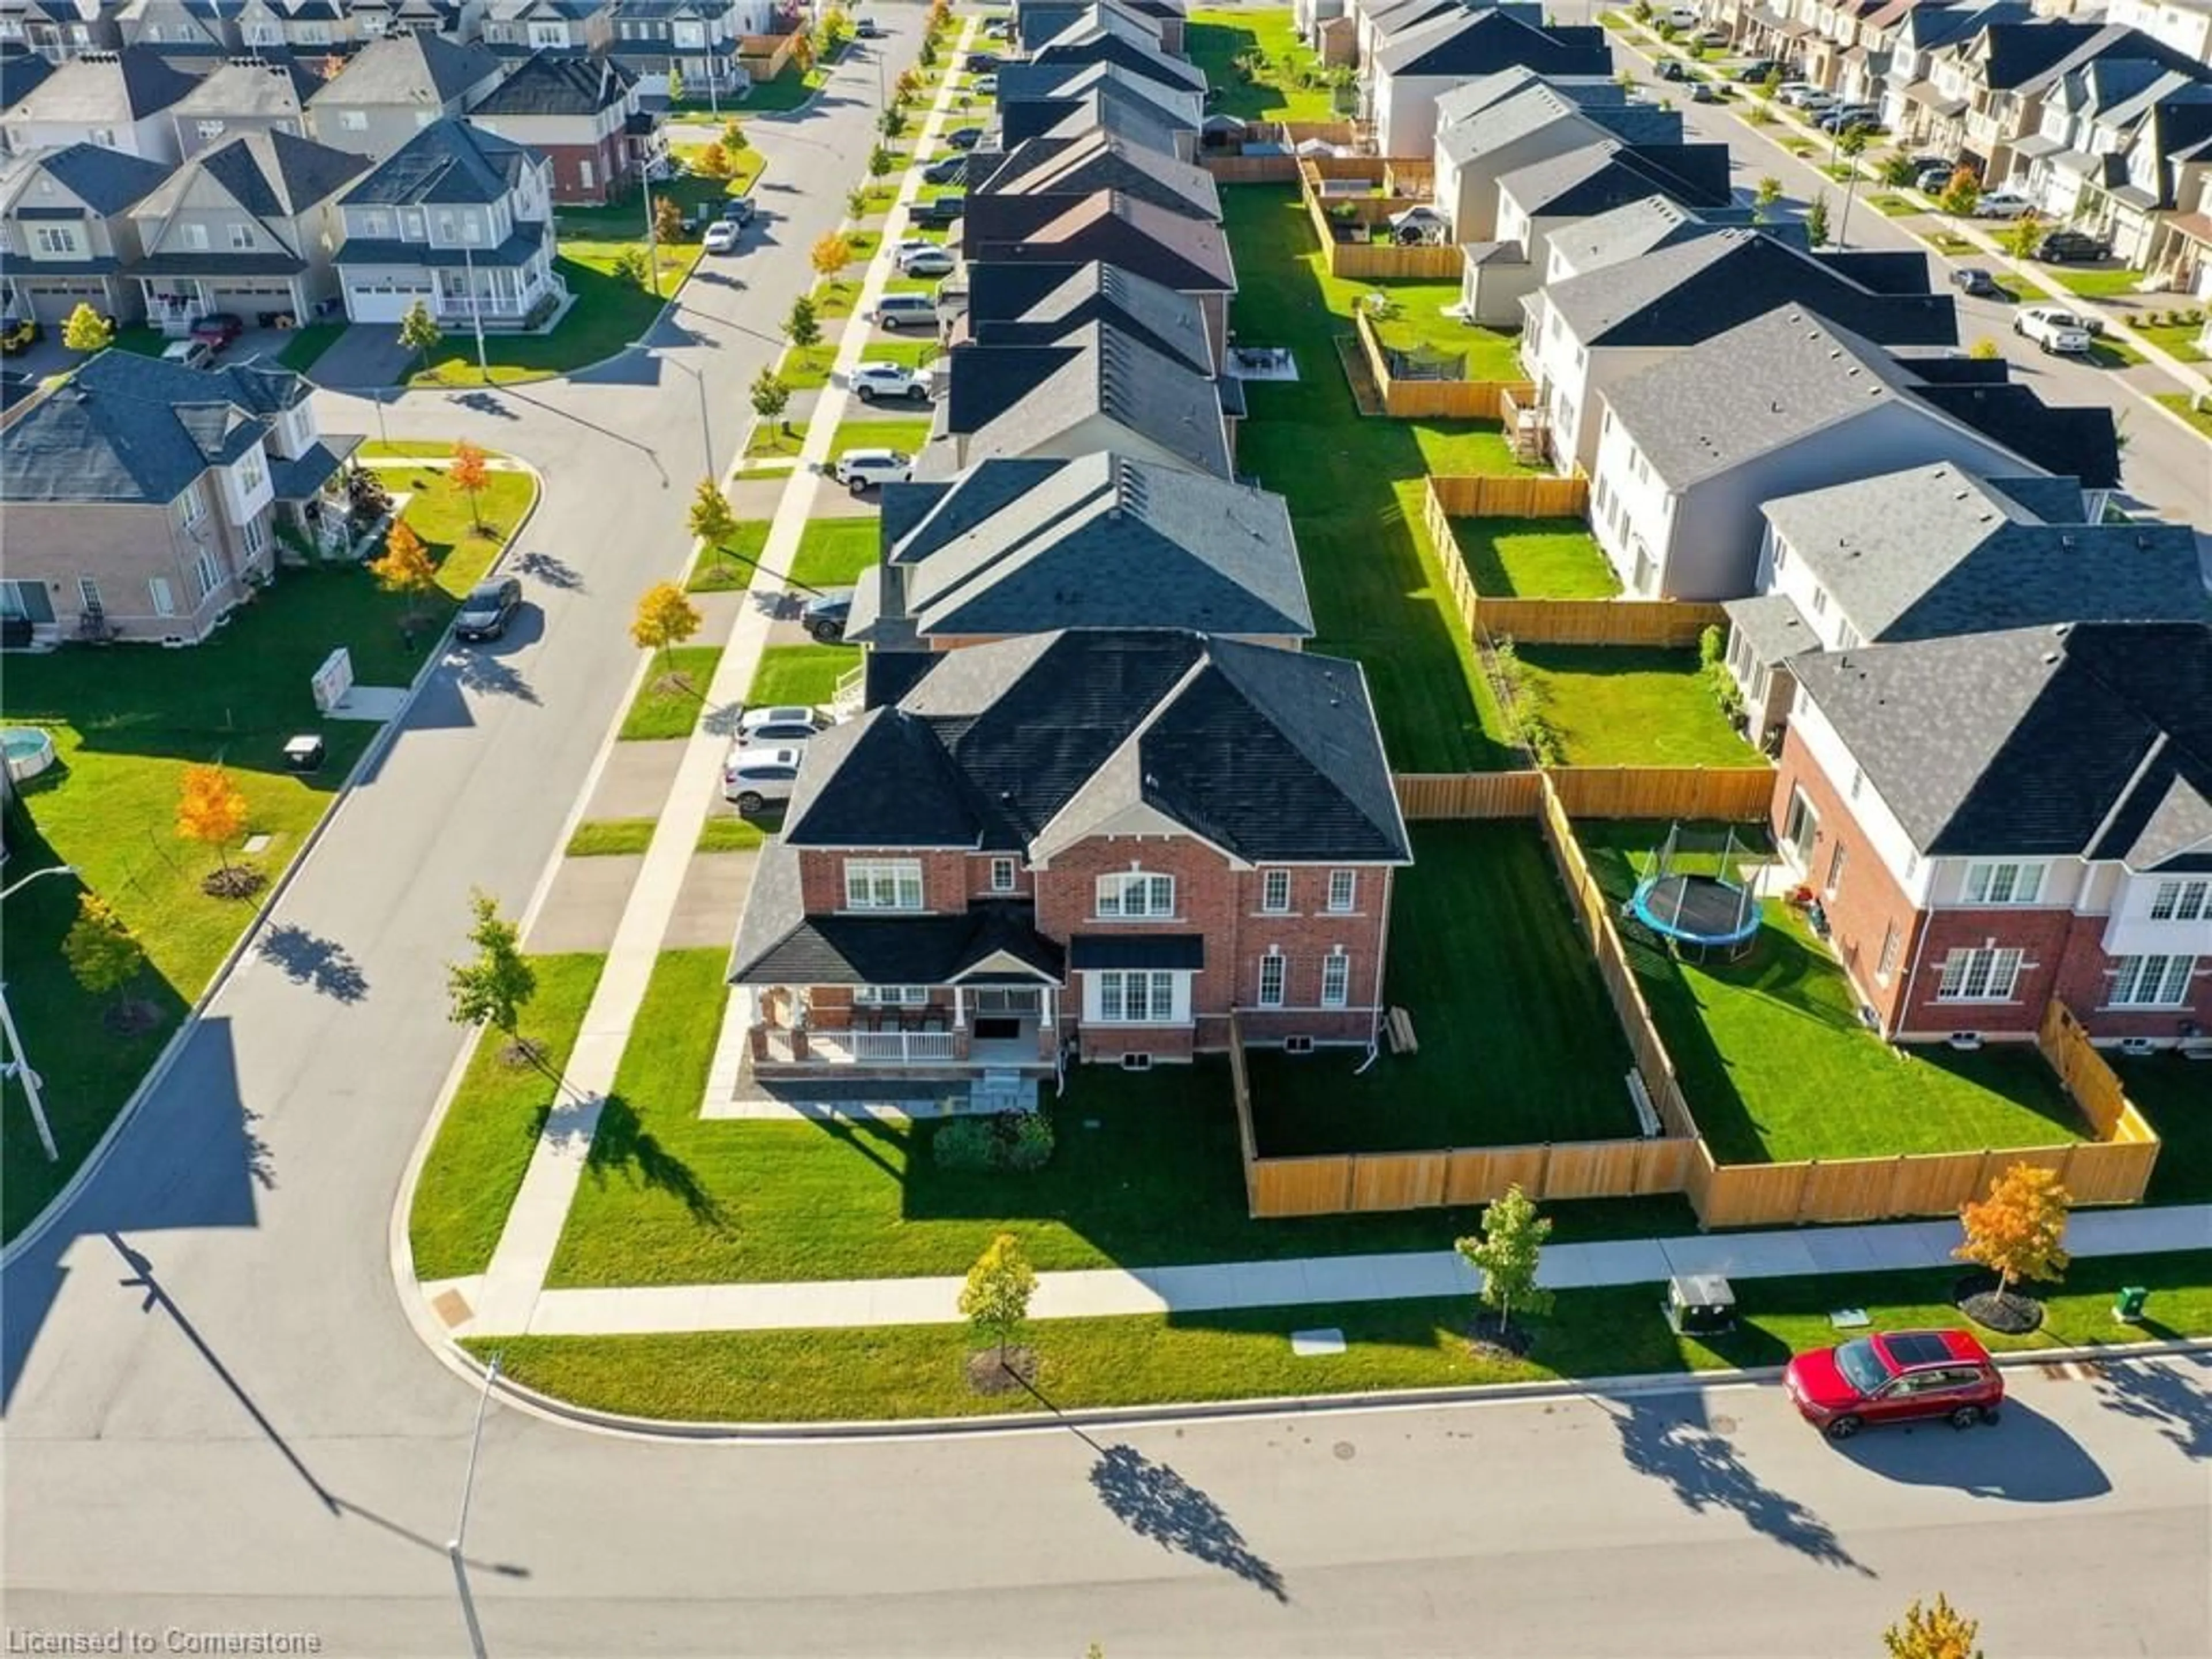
[{"x": 29, "y": 750}]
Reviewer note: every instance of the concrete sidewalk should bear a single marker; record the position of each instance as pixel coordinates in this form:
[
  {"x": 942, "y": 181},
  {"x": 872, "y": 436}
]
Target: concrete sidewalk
[{"x": 1106, "y": 1293}]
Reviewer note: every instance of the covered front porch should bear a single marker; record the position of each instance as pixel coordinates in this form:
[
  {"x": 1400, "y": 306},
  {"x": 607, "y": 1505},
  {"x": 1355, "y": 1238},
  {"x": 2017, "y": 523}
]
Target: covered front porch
[
  {"x": 176, "y": 301},
  {"x": 983, "y": 1027}
]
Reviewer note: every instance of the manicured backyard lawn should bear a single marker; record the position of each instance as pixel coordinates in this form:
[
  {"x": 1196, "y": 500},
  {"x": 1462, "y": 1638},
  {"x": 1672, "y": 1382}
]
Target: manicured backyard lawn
[
  {"x": 673, "y": 1199},
  {"x": 800, "y": 673},
  {"x": 1418, "y": 325},
  {"x": 2176, "y": 1096},
  {"x": 1776, "y": 1065},
  {"x": 1517, "y": 1042},
  {"x": 728, "y": 567},
  {"x": 669, "y": 703},
  {"x": 833, "y": 552},
  {"x": 1355, "y": 487},
  {"x": 1630, "y": 706},
  {"x": 1535, "y": 559},
  {"x": 1213, "y": 41},
  {"x": 597, "y": 838},
  {"x": 125, "y": 723},
  {"x": 907, "y": 434},
  {"x": 476, "y": 1163},
  {"x": 911, "y": 1371}
]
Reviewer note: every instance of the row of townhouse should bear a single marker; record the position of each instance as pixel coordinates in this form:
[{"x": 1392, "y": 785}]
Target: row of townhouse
[
  {"x": 1991, "y": 698},
  {"x": 702, "y": 39},
  {"x": 1093, "y": 796}
]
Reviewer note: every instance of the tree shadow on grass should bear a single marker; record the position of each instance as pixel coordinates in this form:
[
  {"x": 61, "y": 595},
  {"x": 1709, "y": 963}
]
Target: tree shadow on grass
[
  {"x": 1156, "y": 1502},
  {"x": 623, "y": 1146},
  {"x": 1669, "y": 1441}
]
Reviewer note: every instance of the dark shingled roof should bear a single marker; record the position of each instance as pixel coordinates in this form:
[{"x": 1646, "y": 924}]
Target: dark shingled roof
[
  {"x": 20, "y": 72},
  {"x": 105, "y": 181},
  {"x": 128, "y": 428},
  {"x": 2091, "y": 740},
  {"x": 1191, "y": 255},
  {"x": 1050, "y": 301},
  {"x": 1098, "y": 161},
  {"x": 448, "y": 162},
  {"x": 547, "y": 85},
  {"x": 1468, "y": 41},
  {"x": 272, "y": 175},
  {"x": 1029, "y": 745},
  {"x": 1077, "y": 47},
  {"x": 396, "y": 67},
  {"x": 1601, "y": 177},
  {"x": 107, "y": 87}
]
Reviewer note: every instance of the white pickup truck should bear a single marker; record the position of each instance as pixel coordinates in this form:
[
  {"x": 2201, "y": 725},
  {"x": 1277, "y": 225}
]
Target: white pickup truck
[{"x": 2055, "y": 329}]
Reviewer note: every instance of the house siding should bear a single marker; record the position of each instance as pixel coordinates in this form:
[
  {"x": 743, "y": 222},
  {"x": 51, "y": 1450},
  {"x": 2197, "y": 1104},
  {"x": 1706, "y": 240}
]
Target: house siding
[{"x": 124, "y": 547}]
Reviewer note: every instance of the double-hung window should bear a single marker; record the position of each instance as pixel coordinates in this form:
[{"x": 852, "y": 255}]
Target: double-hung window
[
  {"x": 1135, "y": 996},
  {"x": 1987, "y": 975},
  {"x": 207, "y": 576},
  {"x": 187, "y": 507},
  {"x": 2152, "y": 981},
  {"x": 1271, "y": 980},
  {"x": 1335, "y": 979},
  {"x": 1004, "y": 872},
  {"x": 1276, "y": 892},
  {"x": 1343, "y": 890},
  {"x": 883, "y": 883},
  {"x": 1133, "y": 896},
  {"x": 891, "y": 996},
  {"x": 2004, "y": 883},
  {"x": 2180, "y": 901}
]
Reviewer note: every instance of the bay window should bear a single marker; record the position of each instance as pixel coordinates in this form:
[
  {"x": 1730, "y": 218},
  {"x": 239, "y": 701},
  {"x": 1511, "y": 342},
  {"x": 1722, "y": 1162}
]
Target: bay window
[
  {"x": 2151, "y": 981},
  {"x": 1139, "y": 996}
]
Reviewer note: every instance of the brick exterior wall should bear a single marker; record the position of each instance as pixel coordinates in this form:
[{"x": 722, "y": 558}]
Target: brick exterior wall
[{"x": 610, "y": 160}]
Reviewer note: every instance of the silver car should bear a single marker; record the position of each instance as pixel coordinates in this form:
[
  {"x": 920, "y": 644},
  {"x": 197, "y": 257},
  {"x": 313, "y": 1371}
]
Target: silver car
[{"x": 754, "y": 778}]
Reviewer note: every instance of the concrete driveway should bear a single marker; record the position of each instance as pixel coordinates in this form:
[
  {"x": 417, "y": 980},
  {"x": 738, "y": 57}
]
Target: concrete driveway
[{"x": 367, "y": 356}]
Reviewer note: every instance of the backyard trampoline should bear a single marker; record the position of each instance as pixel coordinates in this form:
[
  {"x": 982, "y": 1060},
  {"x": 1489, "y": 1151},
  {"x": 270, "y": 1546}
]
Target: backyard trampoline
[{"x": 1696, "y": 909}]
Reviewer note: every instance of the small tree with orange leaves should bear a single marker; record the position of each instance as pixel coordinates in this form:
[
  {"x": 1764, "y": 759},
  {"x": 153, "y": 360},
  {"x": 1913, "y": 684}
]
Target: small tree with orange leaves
[
  {"x": 2016, "y": 1232},
  {"x": 1940, "y": 1631},
  {"x": 470, "y": 471},
  {"x": 404, "y": 567},
  {"x": 211, "y": 810},
  {"x": 830, "y": 253}
]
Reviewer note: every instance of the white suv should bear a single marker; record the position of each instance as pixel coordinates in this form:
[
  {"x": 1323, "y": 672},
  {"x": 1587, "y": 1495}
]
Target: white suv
[
  {"x": 753, "y": 778},
  {"x": 873, "y": 381},
  {"x": 779, "y": 726},
  {"x": 859, "y": 468},
  {"x": 2054, "y": 328}
]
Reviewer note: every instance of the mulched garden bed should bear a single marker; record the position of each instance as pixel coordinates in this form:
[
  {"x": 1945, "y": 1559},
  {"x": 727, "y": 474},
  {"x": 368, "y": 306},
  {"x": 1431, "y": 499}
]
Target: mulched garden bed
[
  {"x": 987, "y": 1376},
  {"x": 1979, "y": 1297}
]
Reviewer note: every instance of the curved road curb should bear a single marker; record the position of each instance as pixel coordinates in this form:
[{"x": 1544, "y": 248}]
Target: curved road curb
[{"x": 44, "y": 1221}]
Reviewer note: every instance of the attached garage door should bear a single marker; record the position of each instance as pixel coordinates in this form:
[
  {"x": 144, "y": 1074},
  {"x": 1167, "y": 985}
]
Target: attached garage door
[
  {"x": 52, "y": 301},
  {"x": 384, "y": 298},
  {"x": 250, "y": 299}
]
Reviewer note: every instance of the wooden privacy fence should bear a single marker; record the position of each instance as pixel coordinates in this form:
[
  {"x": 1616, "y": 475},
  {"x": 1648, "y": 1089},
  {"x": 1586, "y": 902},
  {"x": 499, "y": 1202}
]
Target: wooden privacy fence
[
  {"x": 2093, "y": 1084},
  {"x": 1908, "y": 1184},
  {"x": 1279, "y": 169},
  {"x": 1337, "y": 1182},
  {"x": 1735, "y": 793},
  {"x": 1436, "y": 795},
  {"x": 1419, "y": 399},
  {"x": 764, "y": 56},
  {"x": 1526, "y": 497},
  {"x": 1378, "y": 261}
]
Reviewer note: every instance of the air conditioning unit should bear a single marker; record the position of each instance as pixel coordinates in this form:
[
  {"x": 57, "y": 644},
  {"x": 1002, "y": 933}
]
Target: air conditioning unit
[
  {"x": 1298, "y": 1045},
  {"x": 2137, "y": 1048},
  {"x": 1965, "y": 1042},
  {"x": 1136, "y": 1062}
]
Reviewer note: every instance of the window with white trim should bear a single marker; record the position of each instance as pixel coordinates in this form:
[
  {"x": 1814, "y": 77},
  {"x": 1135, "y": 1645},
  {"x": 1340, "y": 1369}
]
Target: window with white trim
[
  {"x": 241, "y": 237},
  {"x": 353, "y": 120},
  {"x": 891, "y": 996},
  {"x": 1987, "y": 975},
  {"x": 1343, "y": 890},
  {"x": 196, "y": 238},
  {"x": 207, "y": 576},
  {"x": 57, "y": 238},
  {"x": 2180, "y": 901},
  {"x": 160, "y": 596},
  {"x": 2004, "y": 883},
  {"x": 1140, "y": 996},
  {"x": 1892, "y": 946},
  {"x": 883, "y": 883},
  {"x": 1131, "y": 895},
  {"x": 209, "y": 128},
  {"x": 2151, "y": 981},
  {"x": 87, "y": 593},
  {"x": 1835, "y": 860},
  {"x": 1276, "y": 892},
  {"x": 1271, "y": 980},
  {"x": 1335, "y": 979},
  {"x": 187, "y": 507},
  {"x": 255, "y": 536},
  {"x": 1004, "y": 874},
  {"x": 251, "y": 472}
]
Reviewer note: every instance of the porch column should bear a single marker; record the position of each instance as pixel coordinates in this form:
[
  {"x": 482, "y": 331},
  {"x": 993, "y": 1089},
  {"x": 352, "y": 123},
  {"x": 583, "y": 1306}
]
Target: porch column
[
  {"x": 959, "y": 1007},
  {"x": 1047, "y": 1006}
]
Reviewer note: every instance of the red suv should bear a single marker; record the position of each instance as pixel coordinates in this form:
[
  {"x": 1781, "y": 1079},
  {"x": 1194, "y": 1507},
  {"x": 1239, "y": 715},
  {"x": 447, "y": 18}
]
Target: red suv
[{"x": 1894, "y": 1377}]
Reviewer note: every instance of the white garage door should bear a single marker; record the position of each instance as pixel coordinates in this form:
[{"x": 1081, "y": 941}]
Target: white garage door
[{"x": 383, "y": 299}]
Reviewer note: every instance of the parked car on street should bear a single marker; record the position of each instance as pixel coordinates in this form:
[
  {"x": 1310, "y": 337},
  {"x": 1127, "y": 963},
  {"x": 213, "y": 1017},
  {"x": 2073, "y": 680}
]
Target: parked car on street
[
  {"x": 779, "y": 726},
  {"x": 939, "y": 212},
  {"x": 218, "y": 328},
  {"x": 2061, "y": 247},
  {"x": 945, "y": 170},
  {"x": 868, "y": 29},
  {"x": 1674, "y": 69},
  {"x": 1894, "y": 1377},
  {"x": 189, "y": 354},
  {"x": 964, "y": 137},
  {"x": 824, "y": 616},
  {"x": 895, "y": 312},
  {"x": 872, "y": 382},
  {"x": 1976, "y": 282},
  {"x": 739, "y": 211},
  {"x": 487, "y": 608},
  {"x": 987, "y": 85},
  {"x": 858, "y": 469},
  {"x": 754, "y": 778},
  {"x": 979, "y": 62},
  {"x": 2055, "y": 329},
  {"x": 2003, "y": 204},
  {"x": 1703, "y": 92},
  {"x": 935, "y": 260},
  {"x": 724, "y": 236}
]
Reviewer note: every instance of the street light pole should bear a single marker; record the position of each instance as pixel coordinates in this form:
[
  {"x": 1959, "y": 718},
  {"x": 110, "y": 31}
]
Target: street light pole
[
  {"x": 454, "y": 1547},
  {"x": 21, "y": 1062},
  {"x": 476, "y": 312}
]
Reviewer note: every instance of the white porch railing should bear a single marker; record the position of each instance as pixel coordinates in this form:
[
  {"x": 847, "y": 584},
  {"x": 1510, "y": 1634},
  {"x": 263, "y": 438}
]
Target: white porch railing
[
  {"x": 845, "y": 702},
  {"x": 855, "y": 1048}
]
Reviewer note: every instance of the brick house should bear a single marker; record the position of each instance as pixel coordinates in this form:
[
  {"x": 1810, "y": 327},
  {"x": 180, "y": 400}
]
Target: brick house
[
  {"x": 1994, "y": 820},
  {"x": 582, "y": 114},
  {"x": 1093, "y": 845},
  {"x": 143, "y": 497}
]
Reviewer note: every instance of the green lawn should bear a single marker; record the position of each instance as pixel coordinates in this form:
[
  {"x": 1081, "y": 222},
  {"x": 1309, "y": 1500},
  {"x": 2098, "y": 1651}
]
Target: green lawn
[
  {"x": 787, "y": 92},
  {"x": 746, "y": 166},
  {"x": 483, "y": 1144},
  {"x": 126, "y": 721},
  {"x": 776, "y": 440},
  {"x": 2100, "y": 283},
  {"x": 908, "y": 435},
  {"x": 308, "y": 343},
  {"x": 2181, "y": 404},
  {"x": 833, "y": 298},
  {"x": 1518, "y": 1043},
  {"x": 1418, "y": 325},
  {"x": 1615, "y": 705},
  {"x": 913, "y": 1371},
  {"x": 1290, "y": 86},
  {"x": 609, "y": 313},
  {"x": 2175, "y": 339},
  {"x": 2176, "y": 1096},
  {"x": 808, "y": 368},
  {"x": 1355, "y": 488},
  {"x": 728, "y": 567},
  {"x": 610, "y": 837},
  {"x": 669, "y": 703},
  {"x": 1892, "y": 207},
  {"x": 800, "y": 673},
  {"x": 730, "y": 834},
  {"x": 1535, "y": 559},
  {"x": 833, "y": 552},
  {"x": 462, "y": 537},
  {"x": 1776, "y": 1065},
  {"x": 672, "y": 1199}
]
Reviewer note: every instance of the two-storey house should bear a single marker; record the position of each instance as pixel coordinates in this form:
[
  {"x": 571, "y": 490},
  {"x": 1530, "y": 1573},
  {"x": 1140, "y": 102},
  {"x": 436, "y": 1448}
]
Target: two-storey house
[
  {"x": 460, "y": 220},
  {"x": 245, "y": 95},
  {"x": 2056, "y": 842},
  {"x": 583, "y": 114},
  {"x": 143, "y": 497},
  {"x": 394, "y": 88},
  {"x": 2089, "y": 118},
  {"x": 1036, "y": 21},
  {"x": 1088, "y": 844},
  {"x": 118, "y": 101},
  {"x": 1420, "y": 65},
  {"x": 2182, "y": 25},
  {"x": 58, "y": 30},
  {"x": 70, "y": 238},
  {"x": 1515, "y": 118},
  {"x": 519, "y": 28},
  {"x": 2165, "y": 168},
  {"x": 1911, "y": 107},
  {"x": 183, "y": 29},
  {"x": 699, "y": 38},
  {"x": 1938, "y": 551},
  {"x": 249, "y": 228},
  {"x": 310, "y": 29}
]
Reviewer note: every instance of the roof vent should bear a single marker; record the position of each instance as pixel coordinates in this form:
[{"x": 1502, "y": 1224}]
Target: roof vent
[
  {"x": 2068, "y": 543},
  {"x": 2050, "y": 659},
  {"x": 2062, "y": 630}
]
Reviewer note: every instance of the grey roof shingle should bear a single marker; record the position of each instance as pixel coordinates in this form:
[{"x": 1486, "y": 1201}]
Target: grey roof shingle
[
  {"x": 1772, "y": 625},
  {"x": 1098, "y": 161},
  {"x": 105, "y": 88},
  {"x": 1191, "y": 255},
  {"x": 2094, "y": 740},
  {"x": 408, "y": 68},
  {"x": 544, "y": 84},
  {"x": 1608, "y": 174},
  {"x": 1468, "y": 40},
  {"x": 20, "y": 74},
  {"x": 105, "y": 181},
  {"x": 1624, "y": 232},
  {"x": 1935, "y": 551},
  {"x": 448, "y": 162},
  {"x": 132, "y": 429},
  {"x": 1028, "y": 743},
  {"x": 244, "y": 89},
  {"x": 1101, "y": 541},
  {"x": 1050, "y": 301},
  {"x": 272, "y": 175}
]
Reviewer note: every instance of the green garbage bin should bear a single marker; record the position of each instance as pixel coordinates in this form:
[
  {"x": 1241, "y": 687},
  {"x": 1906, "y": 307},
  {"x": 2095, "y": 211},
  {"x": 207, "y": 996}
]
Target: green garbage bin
[{"x": 2128, "y": 1305}]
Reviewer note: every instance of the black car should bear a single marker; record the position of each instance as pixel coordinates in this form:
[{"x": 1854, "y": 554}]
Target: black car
[
  {"x": 1976, "y": 282},
  {"x": 936, "y": 214},
  {"x": 964, "y": 139},
  {"x": 1703, "y": 93},
  {"x": 981, "y": 63},
  {"x": 824, "y": 616},
  {"x": 1760, "y": 68},
  {"x": 868, "y": 29},
  {"x": 485, "y": 612},
  {"x": 738, "y": 211},
  {"x": 1674, "y": 69},
  {"x": 2072, "y": 247},
  {"x": 947, "y": 170}
]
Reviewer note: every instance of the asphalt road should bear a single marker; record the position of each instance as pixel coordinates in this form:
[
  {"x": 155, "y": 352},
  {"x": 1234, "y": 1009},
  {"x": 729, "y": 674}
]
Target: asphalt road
[
  {"x": 2164, "y": 465},
  {"x": 218, "y": 1419}
]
